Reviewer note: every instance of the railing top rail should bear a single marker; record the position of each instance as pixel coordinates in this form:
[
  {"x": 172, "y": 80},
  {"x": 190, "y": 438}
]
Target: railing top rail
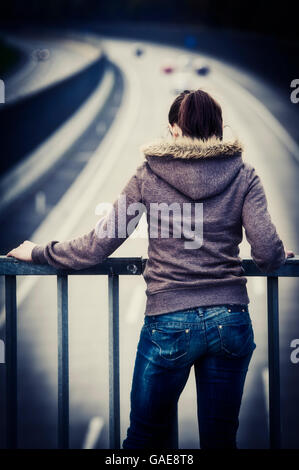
[
  {"x": 117, "y": 266},
  {"x": 129, "y": 266}
]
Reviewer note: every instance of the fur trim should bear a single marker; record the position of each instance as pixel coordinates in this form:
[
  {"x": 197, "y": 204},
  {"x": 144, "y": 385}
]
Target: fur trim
[{"x": 188, "y": 147}]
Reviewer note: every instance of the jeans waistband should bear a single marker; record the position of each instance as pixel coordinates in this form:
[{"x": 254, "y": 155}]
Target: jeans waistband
[{"x": 206, "y": 311}]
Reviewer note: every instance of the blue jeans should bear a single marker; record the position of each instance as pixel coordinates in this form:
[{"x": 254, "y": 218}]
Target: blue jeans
[{"x": 219, "y": 342}]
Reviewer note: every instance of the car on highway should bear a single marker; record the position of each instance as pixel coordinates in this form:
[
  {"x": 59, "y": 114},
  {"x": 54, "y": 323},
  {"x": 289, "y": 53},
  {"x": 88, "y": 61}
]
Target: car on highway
[
  {"x": 200, "y": 67},
  {"x": 168, "y": 66},
  {"x": 138, "y": 49}
]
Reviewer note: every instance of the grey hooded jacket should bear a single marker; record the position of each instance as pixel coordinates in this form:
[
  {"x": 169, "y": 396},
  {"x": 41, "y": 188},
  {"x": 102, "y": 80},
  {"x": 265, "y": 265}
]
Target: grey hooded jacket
[{"x": 197, "y": 196}]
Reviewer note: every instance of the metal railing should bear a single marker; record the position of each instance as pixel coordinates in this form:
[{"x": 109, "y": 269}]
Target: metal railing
[{"x": 113, "y": 268}]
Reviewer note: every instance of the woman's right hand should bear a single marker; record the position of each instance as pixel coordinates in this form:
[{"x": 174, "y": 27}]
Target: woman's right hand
[{"x": 289, "y": 254}]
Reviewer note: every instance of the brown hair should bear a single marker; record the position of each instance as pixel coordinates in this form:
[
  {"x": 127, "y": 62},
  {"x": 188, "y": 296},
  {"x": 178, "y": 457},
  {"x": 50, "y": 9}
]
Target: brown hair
[{"x": 197, "y": 114}]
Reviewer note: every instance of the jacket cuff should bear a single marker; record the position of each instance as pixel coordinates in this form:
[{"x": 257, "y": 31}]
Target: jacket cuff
[{"x": 38, "y": 256}]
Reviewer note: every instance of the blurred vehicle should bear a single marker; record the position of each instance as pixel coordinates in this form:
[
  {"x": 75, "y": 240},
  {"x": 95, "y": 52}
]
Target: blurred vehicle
[
  {"x": 41, "y": 54},
  {"x": 205, "y": 70},
  {"x": 168, "y": 68},
  {"x": 138, "y": 49},
  {"x": 200, "y": 67}
]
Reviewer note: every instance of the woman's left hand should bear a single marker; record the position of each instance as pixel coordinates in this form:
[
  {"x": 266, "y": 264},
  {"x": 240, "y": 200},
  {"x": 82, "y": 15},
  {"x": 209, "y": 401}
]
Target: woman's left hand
[{"x": 23, "y": 252}]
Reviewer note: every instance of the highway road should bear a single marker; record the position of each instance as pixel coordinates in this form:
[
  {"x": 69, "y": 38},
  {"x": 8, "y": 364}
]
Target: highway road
[
  {"x": 140, "y": 117},
  {"x": 48, "y": 59}
]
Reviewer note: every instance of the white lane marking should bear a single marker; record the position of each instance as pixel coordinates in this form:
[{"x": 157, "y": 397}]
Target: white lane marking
[
  {"x": 37, "y": 163},
  {"x": 94, "y": 430},
  {"x": 40, "y": 202},
  {"x": 136, "y": 304},
  {"x": 64, "y": 217},
  {"x": 265, "y": 379}
]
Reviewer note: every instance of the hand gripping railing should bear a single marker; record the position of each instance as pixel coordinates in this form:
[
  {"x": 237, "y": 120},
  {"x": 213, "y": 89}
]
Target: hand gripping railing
[{"x": 113, "y": 268}]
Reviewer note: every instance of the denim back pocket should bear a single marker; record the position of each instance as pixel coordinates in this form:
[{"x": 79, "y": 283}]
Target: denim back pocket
[
  {"x": 236, "y": 335},
  {"x": 172, "y": 340}
]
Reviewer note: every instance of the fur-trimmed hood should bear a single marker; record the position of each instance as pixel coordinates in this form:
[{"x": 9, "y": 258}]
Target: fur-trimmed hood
[
  {"x": 188, "y": 147},
  {"x": 195, "y": 167}
]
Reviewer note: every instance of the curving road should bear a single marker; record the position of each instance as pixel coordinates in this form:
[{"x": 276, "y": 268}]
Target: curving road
[
  {"x": 66, "y": 55},
  {"x": 142, "y": 115}
]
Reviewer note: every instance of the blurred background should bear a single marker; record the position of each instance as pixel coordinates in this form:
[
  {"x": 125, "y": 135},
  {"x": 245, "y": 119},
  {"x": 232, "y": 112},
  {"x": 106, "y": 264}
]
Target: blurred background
[{"x": 84, "y": 85}]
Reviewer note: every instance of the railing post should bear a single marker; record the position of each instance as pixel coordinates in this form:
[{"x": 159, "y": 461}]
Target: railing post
[
  {"x": 175, "y": 431},
  {"x": 114, "y": 405},
  {"x": 273, "y": 359},
  {"x": 63, "y": 362},
  {"x": 11, "y": 362}
]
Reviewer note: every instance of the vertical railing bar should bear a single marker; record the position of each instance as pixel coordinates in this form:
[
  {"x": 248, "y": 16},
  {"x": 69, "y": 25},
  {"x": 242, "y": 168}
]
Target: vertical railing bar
[
  {"x": 175, "y": 435},
  {"x": 11, "y": 362},
  {"x": 114, "y": 404},
  {"x": 63, "y": 362},
  {"x": 274, "y": 366}
]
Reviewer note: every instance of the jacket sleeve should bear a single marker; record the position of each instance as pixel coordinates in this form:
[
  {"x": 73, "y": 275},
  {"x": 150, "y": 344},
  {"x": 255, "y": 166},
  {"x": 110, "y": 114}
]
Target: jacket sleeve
[
  {"x": 108, "y": 234},
  {"x": 267, "y": 249}
]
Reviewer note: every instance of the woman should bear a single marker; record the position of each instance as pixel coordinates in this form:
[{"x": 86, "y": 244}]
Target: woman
[{"x": 197, "y": 303}]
